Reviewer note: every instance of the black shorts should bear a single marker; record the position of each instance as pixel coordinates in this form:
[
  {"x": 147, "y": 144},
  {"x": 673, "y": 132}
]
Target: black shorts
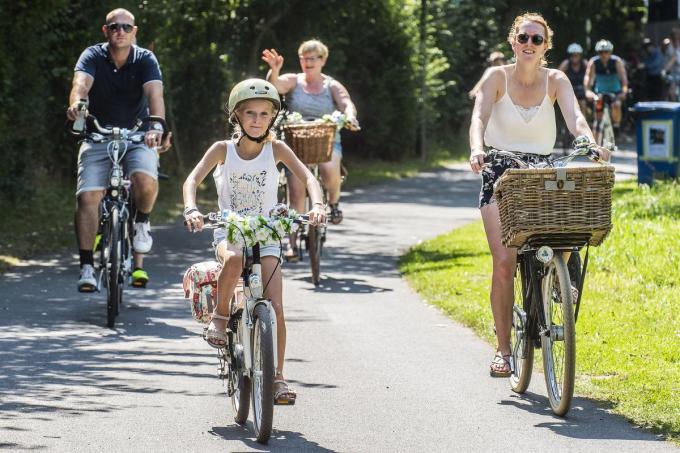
[{"x": 495, "y": 170}]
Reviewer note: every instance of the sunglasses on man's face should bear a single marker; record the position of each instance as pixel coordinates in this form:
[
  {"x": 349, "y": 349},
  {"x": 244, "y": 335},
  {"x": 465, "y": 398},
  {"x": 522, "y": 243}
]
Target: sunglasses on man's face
[
  {"x": 114, "y": 27},
  {"x": 536, "y": 40}
]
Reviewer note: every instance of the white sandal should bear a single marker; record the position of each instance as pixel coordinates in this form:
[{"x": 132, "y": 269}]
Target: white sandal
[{"x": 214, "y": 334}]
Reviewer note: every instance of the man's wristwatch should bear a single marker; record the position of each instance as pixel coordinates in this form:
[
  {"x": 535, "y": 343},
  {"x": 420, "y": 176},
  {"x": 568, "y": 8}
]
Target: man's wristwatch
[
  {"x": 157, "y": 127},
  {"x": 188, "y": 211}
]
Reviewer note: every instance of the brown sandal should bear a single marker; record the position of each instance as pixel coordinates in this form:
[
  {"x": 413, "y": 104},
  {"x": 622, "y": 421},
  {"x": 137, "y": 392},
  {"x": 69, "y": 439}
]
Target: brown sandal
[
  {"x": 283, "y": 396},
  {"x": 501, "y": 366},
  {"x": 292, "y": 255}
]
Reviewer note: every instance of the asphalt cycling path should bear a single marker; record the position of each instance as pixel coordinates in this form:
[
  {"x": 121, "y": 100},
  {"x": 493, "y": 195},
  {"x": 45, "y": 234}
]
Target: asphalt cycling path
[{"x": 376, "y": 368}]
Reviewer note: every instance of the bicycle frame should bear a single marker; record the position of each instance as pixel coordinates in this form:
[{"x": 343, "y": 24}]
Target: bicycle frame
[{"x": 252, "y": 271}]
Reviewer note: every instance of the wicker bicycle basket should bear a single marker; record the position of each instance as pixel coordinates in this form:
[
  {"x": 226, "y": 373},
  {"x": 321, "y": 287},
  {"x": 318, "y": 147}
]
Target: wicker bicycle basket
[
  {"x": 311, "y": 142},
  {"x": 561, "y": 206}
]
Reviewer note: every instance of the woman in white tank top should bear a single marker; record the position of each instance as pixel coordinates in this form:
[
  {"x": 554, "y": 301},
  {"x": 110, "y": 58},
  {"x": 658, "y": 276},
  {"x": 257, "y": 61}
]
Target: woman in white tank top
[
  {"x": 514, "y": 112},
  {"x": 247, "y": 182}
]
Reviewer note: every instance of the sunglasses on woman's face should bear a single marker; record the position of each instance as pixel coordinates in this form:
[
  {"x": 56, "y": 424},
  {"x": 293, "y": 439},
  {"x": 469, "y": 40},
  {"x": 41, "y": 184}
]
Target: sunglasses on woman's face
[
  {"x": 536, "y": 40},
  {"x": 114, "y": 27}
]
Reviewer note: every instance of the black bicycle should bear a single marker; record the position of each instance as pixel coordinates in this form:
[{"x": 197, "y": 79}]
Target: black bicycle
[
  {"x": 602, "y": 122},
  {"x": 310, "y": 238},
  {"x": 117, "y": 206},
  {"x": 549, "y": 277}
]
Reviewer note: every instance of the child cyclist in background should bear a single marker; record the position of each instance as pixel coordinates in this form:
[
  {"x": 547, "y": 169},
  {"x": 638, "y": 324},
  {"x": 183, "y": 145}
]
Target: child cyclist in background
[{"x": 246, "y": 178}]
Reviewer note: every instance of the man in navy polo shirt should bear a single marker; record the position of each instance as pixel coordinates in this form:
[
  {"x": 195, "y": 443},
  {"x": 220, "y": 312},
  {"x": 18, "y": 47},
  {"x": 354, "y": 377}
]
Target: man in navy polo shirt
[{"x": 122, "y": 82}]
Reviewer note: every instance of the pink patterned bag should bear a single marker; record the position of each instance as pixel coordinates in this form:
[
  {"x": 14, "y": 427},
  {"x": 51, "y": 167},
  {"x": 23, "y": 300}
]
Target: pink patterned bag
[{"x": 200, "y": 287}]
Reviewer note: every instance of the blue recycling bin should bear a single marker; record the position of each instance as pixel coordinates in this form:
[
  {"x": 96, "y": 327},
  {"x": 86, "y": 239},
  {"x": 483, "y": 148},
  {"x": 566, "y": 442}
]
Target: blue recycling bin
[{"x": 657, "y": 129}]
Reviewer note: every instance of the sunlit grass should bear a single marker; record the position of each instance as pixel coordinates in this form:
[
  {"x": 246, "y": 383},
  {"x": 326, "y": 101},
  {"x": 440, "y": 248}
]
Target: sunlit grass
[{"x": 628, "y": 332}]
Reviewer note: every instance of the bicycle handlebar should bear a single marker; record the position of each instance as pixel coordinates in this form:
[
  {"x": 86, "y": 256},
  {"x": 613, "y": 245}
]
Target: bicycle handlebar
[
  {"x": 213, "y": 220},
  {"x": 113, "y": 131},
  {"x": 582, "y": 147}
]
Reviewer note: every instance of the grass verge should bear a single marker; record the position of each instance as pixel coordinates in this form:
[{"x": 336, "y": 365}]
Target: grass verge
[
  {"x": 46, "y": 224},
  {"x": 366, "y": 172},
  {"x": 628, "y": 348}
]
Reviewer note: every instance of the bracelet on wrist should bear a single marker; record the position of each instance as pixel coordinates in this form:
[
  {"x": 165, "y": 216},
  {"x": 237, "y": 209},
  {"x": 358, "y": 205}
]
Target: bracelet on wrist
[{"x": 188, "y": 211}]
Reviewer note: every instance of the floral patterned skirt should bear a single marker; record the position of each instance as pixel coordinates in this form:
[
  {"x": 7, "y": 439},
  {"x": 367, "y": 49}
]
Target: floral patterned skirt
[{"x": 495, "y": 170}]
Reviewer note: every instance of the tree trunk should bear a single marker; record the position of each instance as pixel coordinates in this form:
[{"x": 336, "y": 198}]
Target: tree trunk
[{"x": 422, "y": 126}]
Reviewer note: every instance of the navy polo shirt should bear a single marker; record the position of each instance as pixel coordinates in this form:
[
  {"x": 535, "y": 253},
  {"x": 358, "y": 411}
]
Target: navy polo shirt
[{"x": 117, "y": 95}]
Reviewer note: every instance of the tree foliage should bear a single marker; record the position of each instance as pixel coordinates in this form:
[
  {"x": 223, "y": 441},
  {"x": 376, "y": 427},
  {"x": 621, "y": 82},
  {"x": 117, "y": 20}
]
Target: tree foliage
[{"x": 205, "y": 46}]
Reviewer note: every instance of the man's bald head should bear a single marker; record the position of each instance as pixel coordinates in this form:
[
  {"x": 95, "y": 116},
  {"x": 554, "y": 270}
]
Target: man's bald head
[{"x": 120, "y": 12}]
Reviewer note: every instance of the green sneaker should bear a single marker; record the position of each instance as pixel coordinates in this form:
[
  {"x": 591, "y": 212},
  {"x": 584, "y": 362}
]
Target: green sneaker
[{"x": 139, "y": 278}]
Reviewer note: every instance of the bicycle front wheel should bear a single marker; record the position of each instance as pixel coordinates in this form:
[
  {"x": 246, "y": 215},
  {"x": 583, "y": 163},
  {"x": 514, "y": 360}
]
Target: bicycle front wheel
[
  {"x": 522, "y": 346},
  {"x": 558, "y": 343},
  {"x": 240, "y": 399},
  {"x": 114, "y": 286},
  {"x": 262, "y": 343},
  {"x": 314, "y": 245}
]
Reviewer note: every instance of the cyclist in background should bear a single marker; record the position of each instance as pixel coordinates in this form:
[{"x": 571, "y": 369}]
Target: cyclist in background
[
  {"x": 495, "y": 59},
  {"x": 122, "y": 82},
  {"x": 575, "y": 69},
  {"x": 313, "y": 94},
  {"x": 652, "y": 64},
  {"x": 672, "y": 64},
  {"x": 606, "y": 73}
]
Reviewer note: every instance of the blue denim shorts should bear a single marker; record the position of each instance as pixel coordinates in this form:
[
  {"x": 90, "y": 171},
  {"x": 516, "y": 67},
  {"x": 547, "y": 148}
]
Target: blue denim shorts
[
  {"x": 219, "y": 235},
  {"x": 94, "y": 164}
]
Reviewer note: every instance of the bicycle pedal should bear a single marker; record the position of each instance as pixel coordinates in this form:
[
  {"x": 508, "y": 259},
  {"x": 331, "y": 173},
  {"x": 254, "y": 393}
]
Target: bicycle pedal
[
  {"x": 138, "y": 284},
  {"x": 284, "y": 402}
]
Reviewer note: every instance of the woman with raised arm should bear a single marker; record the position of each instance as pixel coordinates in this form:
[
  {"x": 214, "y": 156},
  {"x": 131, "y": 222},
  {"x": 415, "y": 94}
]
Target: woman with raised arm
[
  {"x": 313, "y": 94},
  {"x": 514, "y": 111}
]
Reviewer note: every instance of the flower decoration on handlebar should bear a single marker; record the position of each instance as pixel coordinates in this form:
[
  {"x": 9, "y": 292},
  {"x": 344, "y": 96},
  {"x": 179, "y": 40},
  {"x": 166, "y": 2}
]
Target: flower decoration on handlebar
[
  {"x": 337, "y": 118},
  {"x": 258, "y": 229}
]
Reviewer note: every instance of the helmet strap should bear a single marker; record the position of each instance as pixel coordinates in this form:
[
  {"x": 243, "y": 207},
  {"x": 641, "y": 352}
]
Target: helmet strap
[{"x": 259, "y": 139}]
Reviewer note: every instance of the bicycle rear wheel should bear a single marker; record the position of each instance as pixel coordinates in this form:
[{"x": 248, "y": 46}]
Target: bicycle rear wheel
[
  {"x": 559, "y": 342},
  {"x": 522, "y": 346},
  {"x": 113, "y": 274},
  {"x": 314, "y": 244},
  {"x": 262, "y": 344}
]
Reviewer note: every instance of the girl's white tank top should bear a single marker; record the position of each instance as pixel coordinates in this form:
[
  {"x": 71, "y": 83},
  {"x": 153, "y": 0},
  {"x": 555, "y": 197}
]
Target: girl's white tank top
[
  {"x": 247, "y": 187},
  {"x": 511, "y": 130}
]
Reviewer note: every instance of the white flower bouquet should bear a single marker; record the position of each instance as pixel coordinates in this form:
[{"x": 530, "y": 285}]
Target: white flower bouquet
[
  {"x": 337, "y": 118},
  {"x": 246, "y": 231}
]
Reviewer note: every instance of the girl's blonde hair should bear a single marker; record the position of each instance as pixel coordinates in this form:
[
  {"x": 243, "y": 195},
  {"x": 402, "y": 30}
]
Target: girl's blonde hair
[
  {"x": 313, "y": 45},
  {"x": 238, "y": 132},
  {"x": 532, "y": 17}
]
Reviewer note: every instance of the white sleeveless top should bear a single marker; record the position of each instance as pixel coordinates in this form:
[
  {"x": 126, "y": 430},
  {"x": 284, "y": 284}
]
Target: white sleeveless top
[
  {"x": 515, "y": 128},
  {"x": 247, "y": 187}
]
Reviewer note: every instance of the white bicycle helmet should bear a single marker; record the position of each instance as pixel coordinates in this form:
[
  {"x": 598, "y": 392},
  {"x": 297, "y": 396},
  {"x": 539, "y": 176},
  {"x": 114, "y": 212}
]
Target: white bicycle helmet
[
  {"x": 574, "y": 48},
  {"x": 253, "y": 89},
  {"x": 250, "y": 89},
  {"x": 604, "y": 46}
]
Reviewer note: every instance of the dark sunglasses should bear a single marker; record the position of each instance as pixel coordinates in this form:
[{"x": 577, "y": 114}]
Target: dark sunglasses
[
  {"x": 114, "y": 27},
  {"x": 536, "y": 40}
]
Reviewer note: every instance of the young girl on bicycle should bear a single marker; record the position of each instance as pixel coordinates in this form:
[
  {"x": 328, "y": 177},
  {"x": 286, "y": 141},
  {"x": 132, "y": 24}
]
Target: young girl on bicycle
[
  {"x": 246, "y": 178},
  {"x": 514, "y": 112}
]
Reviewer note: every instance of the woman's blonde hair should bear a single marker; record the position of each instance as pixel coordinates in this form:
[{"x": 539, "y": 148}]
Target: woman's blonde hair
[
  {"x": 313, "y": 45},
  {"x": 237, "y": 133},
  {"x": 532, "y": 17}
]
